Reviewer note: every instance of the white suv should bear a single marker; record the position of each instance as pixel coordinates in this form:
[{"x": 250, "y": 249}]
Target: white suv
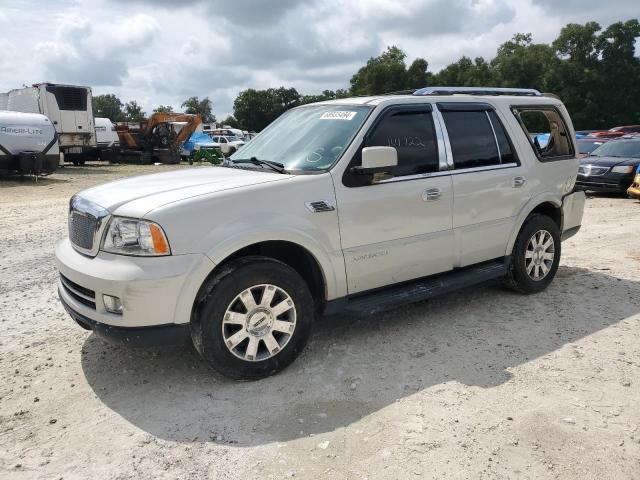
[{"x": 352, "y": 205}]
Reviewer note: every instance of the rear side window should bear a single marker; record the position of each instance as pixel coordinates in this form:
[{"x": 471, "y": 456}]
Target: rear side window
[
  {"x": 412, "y": 134},
  {"x": 472, "y": 139},
  {"x": 547, "y": 132}
]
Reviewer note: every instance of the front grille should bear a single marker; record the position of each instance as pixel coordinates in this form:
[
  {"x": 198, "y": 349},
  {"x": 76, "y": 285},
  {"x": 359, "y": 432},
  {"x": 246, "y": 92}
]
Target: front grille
[
  {"x": 591, "y": 171},
  {"x": 82, "y": 229},
  {"x": 79, "y": 293}
]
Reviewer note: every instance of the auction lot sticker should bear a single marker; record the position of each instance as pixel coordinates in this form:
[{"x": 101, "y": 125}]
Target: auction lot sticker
[{"x": 338, "y": 115}]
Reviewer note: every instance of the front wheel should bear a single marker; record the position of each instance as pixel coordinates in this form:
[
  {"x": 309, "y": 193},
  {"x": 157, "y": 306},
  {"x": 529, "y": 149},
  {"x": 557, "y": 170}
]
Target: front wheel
[
  {"x": 536, "y": 255},
  {"x": 252, "y": 319}
]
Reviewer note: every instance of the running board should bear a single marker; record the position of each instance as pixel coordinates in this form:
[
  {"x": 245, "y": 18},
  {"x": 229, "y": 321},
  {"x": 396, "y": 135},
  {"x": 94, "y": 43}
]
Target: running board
[{"x": 423, "y": 289}]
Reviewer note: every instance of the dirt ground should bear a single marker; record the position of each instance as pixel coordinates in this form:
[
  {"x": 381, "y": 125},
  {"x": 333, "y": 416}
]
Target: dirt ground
[{"x": 484, "y": 383}]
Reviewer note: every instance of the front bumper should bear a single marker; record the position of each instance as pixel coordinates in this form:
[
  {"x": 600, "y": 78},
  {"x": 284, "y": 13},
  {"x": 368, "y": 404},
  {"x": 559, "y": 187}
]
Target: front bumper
[
  {"x": 155, "y": 291},
  {"x": 161, "y": 335},
  {"x": 604, "y": 183}
]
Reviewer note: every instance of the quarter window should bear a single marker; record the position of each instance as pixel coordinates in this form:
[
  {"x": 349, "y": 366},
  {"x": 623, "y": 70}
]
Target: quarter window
[
  {"x": 473, "y": 143},
  {"x": 412, "y": 134},
  {"x": 546, "y": 131}
]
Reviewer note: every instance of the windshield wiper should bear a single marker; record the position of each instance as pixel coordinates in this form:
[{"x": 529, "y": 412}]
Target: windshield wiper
[{"x": 278, "y": 167}]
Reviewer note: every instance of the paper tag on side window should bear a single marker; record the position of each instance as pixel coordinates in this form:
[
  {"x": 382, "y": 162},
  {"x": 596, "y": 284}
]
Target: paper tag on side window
[{"x": 337, "y": 115}]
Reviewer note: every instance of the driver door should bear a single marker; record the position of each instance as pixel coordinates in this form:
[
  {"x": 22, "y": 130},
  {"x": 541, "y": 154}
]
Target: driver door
[{"x": 398, "y": 227}]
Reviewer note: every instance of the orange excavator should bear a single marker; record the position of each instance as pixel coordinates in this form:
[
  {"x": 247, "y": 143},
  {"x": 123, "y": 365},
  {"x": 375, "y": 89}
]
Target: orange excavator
[{"x": 156, "y": 139}]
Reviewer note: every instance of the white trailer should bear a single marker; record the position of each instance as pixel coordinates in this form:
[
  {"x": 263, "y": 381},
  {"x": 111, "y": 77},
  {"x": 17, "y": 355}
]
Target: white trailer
[
  {"x": 107, "y": 140},
  {"x": 67, "y": 106},
  {"x": 28, "y": 143}
]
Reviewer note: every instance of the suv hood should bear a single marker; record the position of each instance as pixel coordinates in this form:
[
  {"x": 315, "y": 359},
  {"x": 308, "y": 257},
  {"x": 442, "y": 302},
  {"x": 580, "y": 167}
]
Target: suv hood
[
  {"x": 153, "y": 191},
  {"x": 609, "y": 161}
]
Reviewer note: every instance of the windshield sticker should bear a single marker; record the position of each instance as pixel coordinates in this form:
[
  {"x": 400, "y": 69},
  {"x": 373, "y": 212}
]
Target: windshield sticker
[{"x": 337, "y": 115}]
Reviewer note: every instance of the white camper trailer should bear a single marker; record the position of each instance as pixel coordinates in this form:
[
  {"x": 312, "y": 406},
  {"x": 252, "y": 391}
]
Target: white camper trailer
[
  {"x": 107, "y": 140},
  {"x": 67, "y": 106},
  {"x": 28, "y": 143}
]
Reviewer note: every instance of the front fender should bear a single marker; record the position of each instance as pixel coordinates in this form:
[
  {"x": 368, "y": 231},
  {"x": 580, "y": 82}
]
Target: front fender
[{"x": 331, "y": 263}]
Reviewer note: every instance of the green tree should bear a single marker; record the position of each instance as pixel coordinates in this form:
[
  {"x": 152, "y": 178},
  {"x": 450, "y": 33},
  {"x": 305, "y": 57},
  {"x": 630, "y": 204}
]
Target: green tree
[
  {"x": 107, "y": 106},
  {"x": 255, "y": 109},
  {"x": 202, "y": 107},
  {"x": 133, "y": 112},
  {"x": 382, "y": 74},
  {"x": 163, "y": 109},
  {"x": 522, "y": 63}
]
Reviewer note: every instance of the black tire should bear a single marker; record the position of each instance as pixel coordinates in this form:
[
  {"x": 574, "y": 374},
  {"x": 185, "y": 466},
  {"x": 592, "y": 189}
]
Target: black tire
[
  {"x": 518, "y": 279},
  {"x": 217, "y": 295}
]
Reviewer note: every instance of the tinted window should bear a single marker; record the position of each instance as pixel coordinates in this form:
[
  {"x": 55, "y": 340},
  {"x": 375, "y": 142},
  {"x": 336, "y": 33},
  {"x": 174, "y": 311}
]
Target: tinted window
[
  {"x": 471, "y": 138},
  {"x": 547, "y": 131},
  {"x": 507, "y": 154},
  {"x": 413, "y": 135}
]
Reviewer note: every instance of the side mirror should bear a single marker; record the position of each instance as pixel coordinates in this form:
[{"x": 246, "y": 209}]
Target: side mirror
[
  {"x": 377, "y": 160},
  {"x": 225, "y": 148}
]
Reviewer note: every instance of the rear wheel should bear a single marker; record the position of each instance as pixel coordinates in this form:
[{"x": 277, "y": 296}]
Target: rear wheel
[
  {"x": 253, "y": 318},
  {"x": 536, "y": 255}
]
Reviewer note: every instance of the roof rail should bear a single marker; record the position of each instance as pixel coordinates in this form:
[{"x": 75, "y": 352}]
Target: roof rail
[{"x": 527, "y": 92}]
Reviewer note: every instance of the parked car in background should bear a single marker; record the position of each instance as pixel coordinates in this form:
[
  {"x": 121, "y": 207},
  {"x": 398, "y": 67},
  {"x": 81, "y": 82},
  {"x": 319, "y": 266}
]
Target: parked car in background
[
  {"x": 435, "y": 192},
  {"x": 610, "y": 167},
  {"x": 587, "y": 145},
  {"x": 616, "y": 132},
  {"x": 234, "y": 142}
]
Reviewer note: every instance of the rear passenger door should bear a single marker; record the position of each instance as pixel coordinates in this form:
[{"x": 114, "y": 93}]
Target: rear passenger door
[{"x": 489, "y": 182}]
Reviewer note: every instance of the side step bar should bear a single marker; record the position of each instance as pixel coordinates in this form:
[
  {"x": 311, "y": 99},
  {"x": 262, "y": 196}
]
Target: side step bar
[{"x": 423, "y": 289}]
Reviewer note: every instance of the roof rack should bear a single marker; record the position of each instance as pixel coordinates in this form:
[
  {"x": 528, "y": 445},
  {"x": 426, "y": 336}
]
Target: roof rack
[{"x": 526, "y": 92}]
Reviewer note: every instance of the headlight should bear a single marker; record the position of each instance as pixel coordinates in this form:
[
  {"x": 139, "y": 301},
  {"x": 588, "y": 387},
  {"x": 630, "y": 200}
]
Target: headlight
[
  {"x": 129, "y": 236},
  {"x": 622, "y": 169}
]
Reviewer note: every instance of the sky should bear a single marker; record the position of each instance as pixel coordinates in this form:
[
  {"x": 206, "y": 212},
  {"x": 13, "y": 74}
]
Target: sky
[{"x": 164, "y": 51}]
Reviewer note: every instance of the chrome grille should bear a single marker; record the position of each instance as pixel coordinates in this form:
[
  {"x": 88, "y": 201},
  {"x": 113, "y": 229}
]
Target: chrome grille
[
  {"x": 82, "y": 228},
  {"x": 86, "y": 223}
]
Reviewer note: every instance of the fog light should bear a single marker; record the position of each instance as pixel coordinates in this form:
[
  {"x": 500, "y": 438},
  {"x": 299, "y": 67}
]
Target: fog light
[{"x": 112, "y": 304}]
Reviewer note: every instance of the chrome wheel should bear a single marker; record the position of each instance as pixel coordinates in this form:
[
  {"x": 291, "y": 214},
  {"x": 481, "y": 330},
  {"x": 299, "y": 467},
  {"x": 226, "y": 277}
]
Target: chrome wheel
[
  {"x": 539, "y": 255},
  {"x": 259, "y": 322}
]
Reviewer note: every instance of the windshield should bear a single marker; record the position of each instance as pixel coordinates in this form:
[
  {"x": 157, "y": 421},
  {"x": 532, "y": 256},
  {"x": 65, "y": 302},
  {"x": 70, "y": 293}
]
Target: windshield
[
  {"x": 617, "y": 148},
  {"x": 307, "y": 138},
  {"x": 588, "y": 147}
]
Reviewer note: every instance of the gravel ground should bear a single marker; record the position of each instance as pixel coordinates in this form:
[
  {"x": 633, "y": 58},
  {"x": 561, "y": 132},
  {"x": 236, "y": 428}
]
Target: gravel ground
[{"x": 484, "y": 383}]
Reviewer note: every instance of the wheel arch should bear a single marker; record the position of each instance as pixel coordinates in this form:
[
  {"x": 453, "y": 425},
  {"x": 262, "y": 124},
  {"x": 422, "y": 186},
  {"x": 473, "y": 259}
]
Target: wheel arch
[
  {"x": 545, "y": 204},
  {"x": 293, "y": 254}
]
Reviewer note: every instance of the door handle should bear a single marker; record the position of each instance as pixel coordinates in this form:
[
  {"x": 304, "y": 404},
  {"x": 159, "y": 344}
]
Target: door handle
[
  {"x": 518, "y": 181},
  {"x": 431, "y": 194}
]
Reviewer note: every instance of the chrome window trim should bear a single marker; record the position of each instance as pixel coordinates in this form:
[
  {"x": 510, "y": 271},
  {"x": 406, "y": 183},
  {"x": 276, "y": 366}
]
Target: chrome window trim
[
  {"x": 440, "y": 140},
  {"x": 82, "y": 206},
  {"x": 438, "y": 114},
  {"x": 495, "y": 137},
  {"x": 500, "y": 166}
]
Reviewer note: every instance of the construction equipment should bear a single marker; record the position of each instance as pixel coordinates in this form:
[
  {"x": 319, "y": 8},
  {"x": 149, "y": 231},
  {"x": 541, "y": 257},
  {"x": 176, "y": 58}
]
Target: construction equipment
[{"x": 157, "y": 139}]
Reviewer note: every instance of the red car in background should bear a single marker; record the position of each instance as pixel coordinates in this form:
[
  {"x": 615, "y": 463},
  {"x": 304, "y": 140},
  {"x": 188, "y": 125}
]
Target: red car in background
[{"x": 616, "y": 132}]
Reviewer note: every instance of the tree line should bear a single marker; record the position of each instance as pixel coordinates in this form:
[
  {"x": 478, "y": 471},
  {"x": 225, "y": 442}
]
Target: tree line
[{"x": 595, "y": 71}]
